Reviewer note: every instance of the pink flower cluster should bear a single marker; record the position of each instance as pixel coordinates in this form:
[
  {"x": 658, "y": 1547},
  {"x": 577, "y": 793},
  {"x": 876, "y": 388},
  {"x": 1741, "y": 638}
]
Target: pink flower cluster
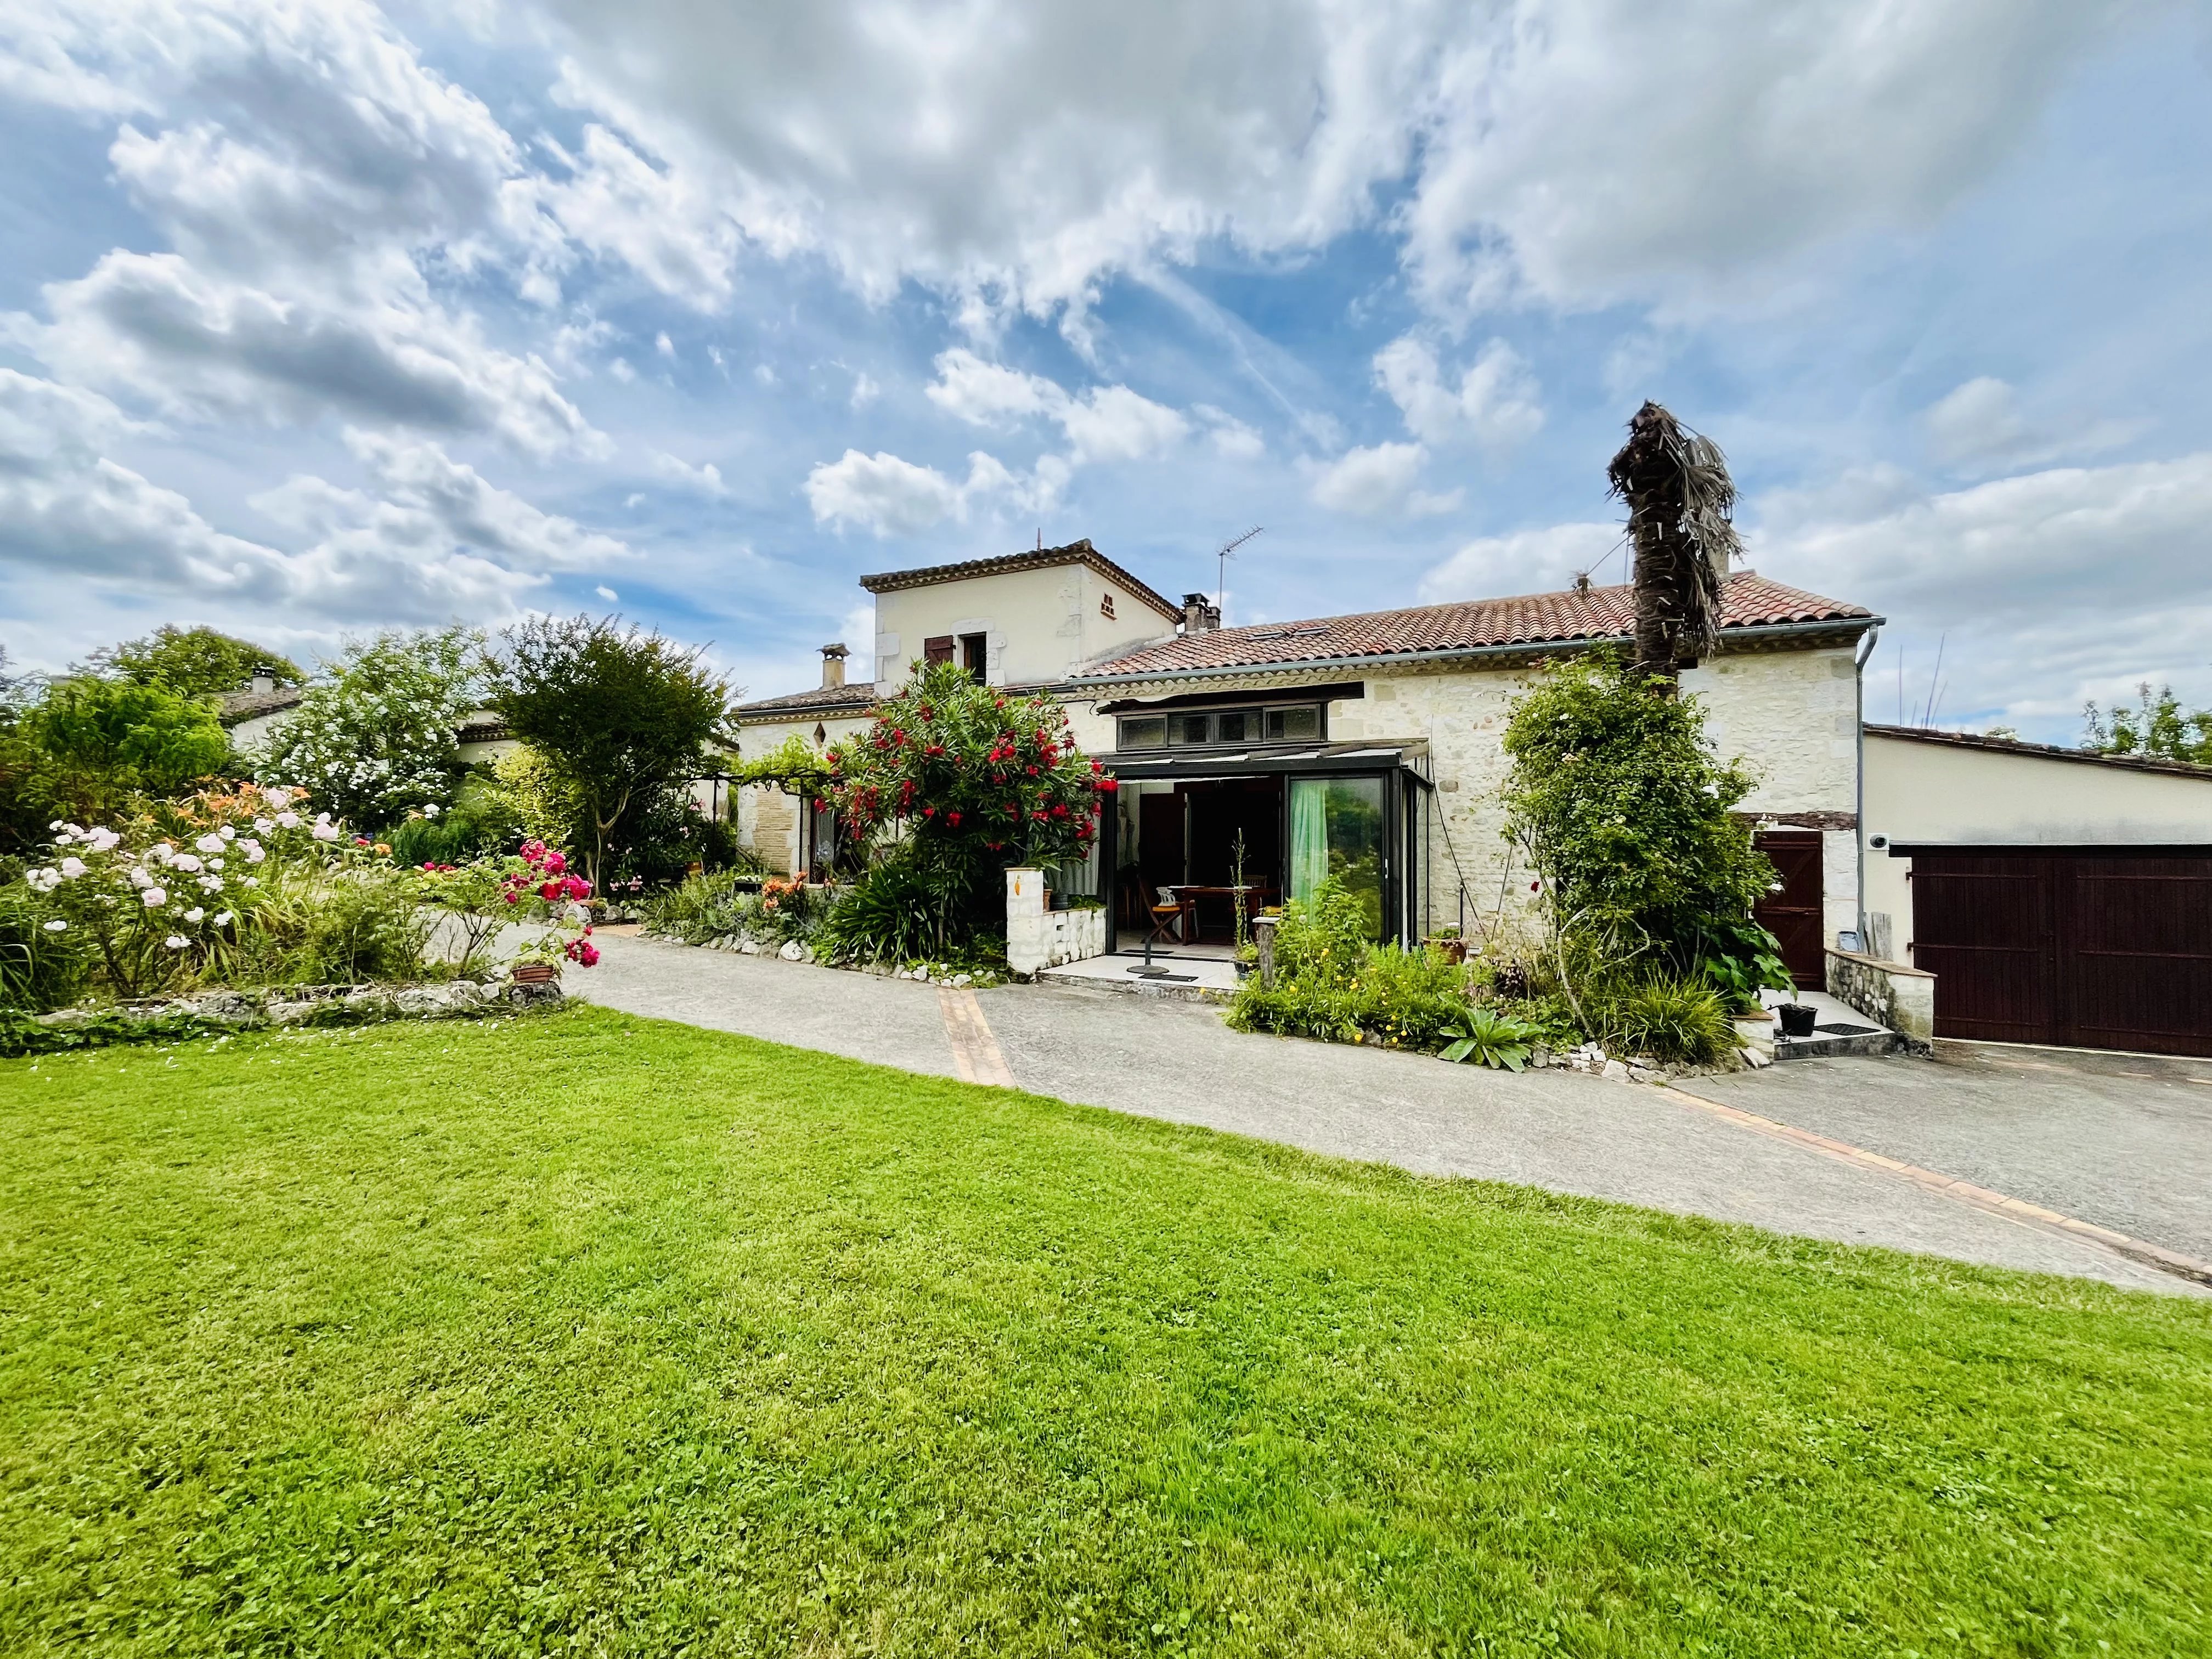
[{"x": 549, "y": 872}]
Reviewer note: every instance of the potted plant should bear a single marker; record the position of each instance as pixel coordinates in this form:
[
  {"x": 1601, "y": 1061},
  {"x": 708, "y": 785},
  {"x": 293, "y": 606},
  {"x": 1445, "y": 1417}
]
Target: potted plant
[
  {"x": 1797, "y": 1018},
  {"x": 1450, "y": 942}
]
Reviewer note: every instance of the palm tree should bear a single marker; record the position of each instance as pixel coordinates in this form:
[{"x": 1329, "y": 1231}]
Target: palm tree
[{"x": 1680, "y": 496}]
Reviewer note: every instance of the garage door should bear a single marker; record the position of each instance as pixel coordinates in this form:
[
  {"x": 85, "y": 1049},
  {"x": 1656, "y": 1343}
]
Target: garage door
[{"x": 2087, "y": 949}]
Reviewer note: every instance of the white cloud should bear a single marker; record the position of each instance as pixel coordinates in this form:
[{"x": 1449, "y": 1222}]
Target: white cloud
[
  {"x": 2053, "y": 585},
  {"x": 1233, "y": 440},
  {"x": 200, "y": 345},
  {"x": 607, "y": 593},
  {"x": 706, "y": 479},
  {"x": 1524, "y": 562},
  {"x": 1373, "y": 482},
  {"x": 421, "y": 478},
  {"x": 1980, "y": 424},
  {"x": 1106, "y": 423},
  {"x": 1014, "y": 157},
  {"x": 883, "y": 493},
  {"x": 1496, "y": 402},
  {"x": 866, "y": 391},
  {"x": 63, "y": 505}
]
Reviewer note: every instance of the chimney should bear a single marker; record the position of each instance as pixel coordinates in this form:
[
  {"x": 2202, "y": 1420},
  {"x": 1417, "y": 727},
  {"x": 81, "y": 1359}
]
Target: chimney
[
  {"x": 833, "y": 664},
  {"x": 263, "y": 684},
  {"x": 1198, "y": 616}
]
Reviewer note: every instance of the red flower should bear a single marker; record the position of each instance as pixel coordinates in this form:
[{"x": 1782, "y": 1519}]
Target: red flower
[
  {"x": 1108, "y": 786},
  {"x": 953, "y": 818},
  {"x": 549, "y": 891}
]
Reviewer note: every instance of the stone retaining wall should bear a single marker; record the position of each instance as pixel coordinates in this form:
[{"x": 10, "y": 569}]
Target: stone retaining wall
[
  {"x": 1901, "y": 998},
  {"x": 1037, "y": 939}
]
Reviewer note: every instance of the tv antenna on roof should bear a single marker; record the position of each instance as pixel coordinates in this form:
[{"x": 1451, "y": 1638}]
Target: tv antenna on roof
[{"x": 1222, "y": 555}]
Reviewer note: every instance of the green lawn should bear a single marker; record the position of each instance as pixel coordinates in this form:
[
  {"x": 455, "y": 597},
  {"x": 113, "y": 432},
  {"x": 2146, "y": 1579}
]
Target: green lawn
[{"x": 595, "y": 1335}]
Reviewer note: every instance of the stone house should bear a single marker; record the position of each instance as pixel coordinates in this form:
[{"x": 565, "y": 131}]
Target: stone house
[{"x": 1368, "y": 745}]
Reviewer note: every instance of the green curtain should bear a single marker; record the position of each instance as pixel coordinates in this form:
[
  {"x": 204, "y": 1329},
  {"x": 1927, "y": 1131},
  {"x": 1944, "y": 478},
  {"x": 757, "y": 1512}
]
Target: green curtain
[{"x": 1309, "y": 835}]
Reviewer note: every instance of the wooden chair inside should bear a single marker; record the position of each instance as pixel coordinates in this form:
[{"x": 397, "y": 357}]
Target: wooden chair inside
[{"x": 1174, "y": 917}]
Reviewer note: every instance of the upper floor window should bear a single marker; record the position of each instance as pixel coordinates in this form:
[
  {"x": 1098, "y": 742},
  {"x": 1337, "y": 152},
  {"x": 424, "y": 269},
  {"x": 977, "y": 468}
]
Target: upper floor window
[
  {"x": 971, "y": 651},
  {"x": 1199, "y": 728}
]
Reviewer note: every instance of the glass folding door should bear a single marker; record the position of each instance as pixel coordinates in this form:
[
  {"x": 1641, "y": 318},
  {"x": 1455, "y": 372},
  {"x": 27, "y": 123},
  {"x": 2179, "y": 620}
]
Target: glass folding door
[{"x": 1337, "y": 829}]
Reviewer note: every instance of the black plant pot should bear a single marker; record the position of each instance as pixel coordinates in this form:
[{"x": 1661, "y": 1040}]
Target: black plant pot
[{"x": 1797, "y": 1018}]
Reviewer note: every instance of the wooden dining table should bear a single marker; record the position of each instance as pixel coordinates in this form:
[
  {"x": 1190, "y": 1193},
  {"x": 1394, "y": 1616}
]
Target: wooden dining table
[{"x": 1238, "y": 896}]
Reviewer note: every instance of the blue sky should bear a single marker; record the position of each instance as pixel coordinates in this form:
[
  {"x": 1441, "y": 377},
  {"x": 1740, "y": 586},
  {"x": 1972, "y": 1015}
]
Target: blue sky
[{"x": 318, "y": 318}]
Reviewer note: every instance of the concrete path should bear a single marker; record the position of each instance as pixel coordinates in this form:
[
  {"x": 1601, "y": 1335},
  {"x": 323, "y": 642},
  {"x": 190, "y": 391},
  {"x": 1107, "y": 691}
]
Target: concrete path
[{"x": 1177, "y": 1060}]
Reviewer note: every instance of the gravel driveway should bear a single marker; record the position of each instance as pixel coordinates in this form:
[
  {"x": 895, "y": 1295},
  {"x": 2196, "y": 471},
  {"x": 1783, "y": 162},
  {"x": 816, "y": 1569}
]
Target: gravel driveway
[
  {"x": 2123, "y": 1140},
  {"x": 1567, "y": 1132}
]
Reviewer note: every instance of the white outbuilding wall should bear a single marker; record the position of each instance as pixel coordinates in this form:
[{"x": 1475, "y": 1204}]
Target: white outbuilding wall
[{"x": 1935, "y": 789}]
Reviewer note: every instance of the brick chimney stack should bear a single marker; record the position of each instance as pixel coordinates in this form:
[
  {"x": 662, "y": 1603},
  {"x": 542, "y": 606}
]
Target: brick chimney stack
[{"x": 833, "y": 666}]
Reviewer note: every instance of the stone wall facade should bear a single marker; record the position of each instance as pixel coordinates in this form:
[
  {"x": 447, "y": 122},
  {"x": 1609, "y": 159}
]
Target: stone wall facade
[
  {"x": 1790, "y": 714},
  {"x": 1037, "y": 939}
]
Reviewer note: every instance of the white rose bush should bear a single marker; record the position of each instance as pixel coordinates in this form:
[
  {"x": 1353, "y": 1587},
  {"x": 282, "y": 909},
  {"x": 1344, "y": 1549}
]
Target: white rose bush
[{"x": 234, "y": 888}]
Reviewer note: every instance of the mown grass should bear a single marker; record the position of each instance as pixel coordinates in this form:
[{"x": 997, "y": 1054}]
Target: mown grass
[{"x": 595, "y": 1334}]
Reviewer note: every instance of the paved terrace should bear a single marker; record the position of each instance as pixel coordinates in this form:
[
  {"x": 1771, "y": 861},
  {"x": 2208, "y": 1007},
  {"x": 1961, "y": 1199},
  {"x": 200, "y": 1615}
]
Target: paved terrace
[{"x": 2139, "y": 1161}]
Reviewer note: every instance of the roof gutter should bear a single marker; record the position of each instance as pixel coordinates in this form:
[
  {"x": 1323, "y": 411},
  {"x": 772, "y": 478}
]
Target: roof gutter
[{"x": 1847, "y": 627}]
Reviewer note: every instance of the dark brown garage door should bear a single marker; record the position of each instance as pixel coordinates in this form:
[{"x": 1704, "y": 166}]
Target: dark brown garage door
[{"x": 2090, "y": 949}]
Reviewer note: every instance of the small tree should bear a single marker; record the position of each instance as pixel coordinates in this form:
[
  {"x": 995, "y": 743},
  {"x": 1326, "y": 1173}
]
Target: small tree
[
  {"x": 2158, "y": 726},
  {"x": 1621, "y": 805},
  {"x": 375, "y": 736},
  {"x": 622, "y": 713},
  {"x": 966, "y": 781},
  {"x": 91, "y": 746},
  {"x": 196, "y": 661}
]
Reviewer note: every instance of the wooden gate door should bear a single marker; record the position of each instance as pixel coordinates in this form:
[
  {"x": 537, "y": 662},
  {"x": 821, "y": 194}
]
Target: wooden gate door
[
  {"x": 1793, "y": 915},
  {"x": 2135, "y": 960},
  {"x": 1984, "y": 927},
  {"x": 2087, "y": 950}
]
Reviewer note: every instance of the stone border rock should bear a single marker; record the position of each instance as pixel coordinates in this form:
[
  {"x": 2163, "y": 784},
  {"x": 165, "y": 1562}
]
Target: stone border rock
[
  {"x": 744, "y": 945},
  {"x": 278, "y": 1006}
]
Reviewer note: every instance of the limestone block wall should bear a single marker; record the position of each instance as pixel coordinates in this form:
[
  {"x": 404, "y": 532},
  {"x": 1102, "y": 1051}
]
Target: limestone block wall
[
  {"x": 767, "y": 818},
  {"x": 1037, "y": 939},
  {"x": 1791, "y": 715}
]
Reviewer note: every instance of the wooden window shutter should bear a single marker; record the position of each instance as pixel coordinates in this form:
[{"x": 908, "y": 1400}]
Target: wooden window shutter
[{"x": 938, "y": 650}]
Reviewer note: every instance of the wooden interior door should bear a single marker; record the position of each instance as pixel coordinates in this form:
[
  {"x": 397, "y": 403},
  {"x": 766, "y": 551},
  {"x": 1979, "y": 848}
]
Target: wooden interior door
[
  {"x": 1160, "y": 859},
  {"x": 1794, "y": 915}
]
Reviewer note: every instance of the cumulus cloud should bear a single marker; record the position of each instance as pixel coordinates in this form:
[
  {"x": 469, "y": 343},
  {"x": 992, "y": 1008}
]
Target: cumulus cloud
[
  {"x": 319, "y": 172},
  {"x": 887, "y": 496},
  {"x": 1378, "y": 482},
  {"x": 200, "y": 345},
  {"x": 1233, "y": 440},
  {"x": 1496, "y": 403},
  {"x": 1106, "y": 423},
  {"x": 1980, "y": 424},
  {"x": 1526, "y": 561},
  {"x": 1016, "y": 156},
  {"x": 706, "y": 479},
  {"x": 2053, "y": 585},
  {"x": 66, "y": 505}
]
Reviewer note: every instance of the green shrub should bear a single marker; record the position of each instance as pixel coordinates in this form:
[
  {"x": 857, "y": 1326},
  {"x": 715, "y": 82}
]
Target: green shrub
[
  {"x": 1331, "y": 984},
  {"x": 483, "y": 818},
  {"x": 893, "y": 913},
  {"x": 38, "y": 969},
  {"x": 700, "y": 908},
  {"x": 1671, "y": 1016}
]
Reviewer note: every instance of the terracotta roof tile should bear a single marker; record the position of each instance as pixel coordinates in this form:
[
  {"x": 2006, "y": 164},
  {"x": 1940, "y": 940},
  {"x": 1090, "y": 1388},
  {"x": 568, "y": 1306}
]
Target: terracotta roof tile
[
  {"x": 1748, "y": 600},
  {"x": 856, "y": 698}
]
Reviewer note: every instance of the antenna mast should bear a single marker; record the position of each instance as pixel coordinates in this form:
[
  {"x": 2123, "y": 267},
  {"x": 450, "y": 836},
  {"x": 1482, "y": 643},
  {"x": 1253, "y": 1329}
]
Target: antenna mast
[{"x": 1222, "y": 555}]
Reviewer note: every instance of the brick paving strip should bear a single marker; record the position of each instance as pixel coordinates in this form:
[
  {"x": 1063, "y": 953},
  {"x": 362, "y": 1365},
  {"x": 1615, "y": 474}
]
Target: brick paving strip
[
  {"x": 975, "y": 1056},
  {"x": 1965, "y": 1191}
]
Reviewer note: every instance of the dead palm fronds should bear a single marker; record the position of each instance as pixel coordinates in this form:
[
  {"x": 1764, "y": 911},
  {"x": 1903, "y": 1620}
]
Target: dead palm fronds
[{"x": 1679, "y": 498}]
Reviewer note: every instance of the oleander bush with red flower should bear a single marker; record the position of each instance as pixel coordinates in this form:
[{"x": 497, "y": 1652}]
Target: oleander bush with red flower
[{"x": 954, "y": 783}]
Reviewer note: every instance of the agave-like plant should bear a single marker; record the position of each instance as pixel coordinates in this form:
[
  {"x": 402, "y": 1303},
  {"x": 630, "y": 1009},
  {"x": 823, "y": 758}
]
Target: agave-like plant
[
  {"x": 1493, "y": 1039},
  {"x": 1680, "y": 502}
]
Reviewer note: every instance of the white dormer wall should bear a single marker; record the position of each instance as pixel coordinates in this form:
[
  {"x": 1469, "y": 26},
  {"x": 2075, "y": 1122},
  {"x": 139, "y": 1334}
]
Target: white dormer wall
[{"x": 1040, "y": 624}]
